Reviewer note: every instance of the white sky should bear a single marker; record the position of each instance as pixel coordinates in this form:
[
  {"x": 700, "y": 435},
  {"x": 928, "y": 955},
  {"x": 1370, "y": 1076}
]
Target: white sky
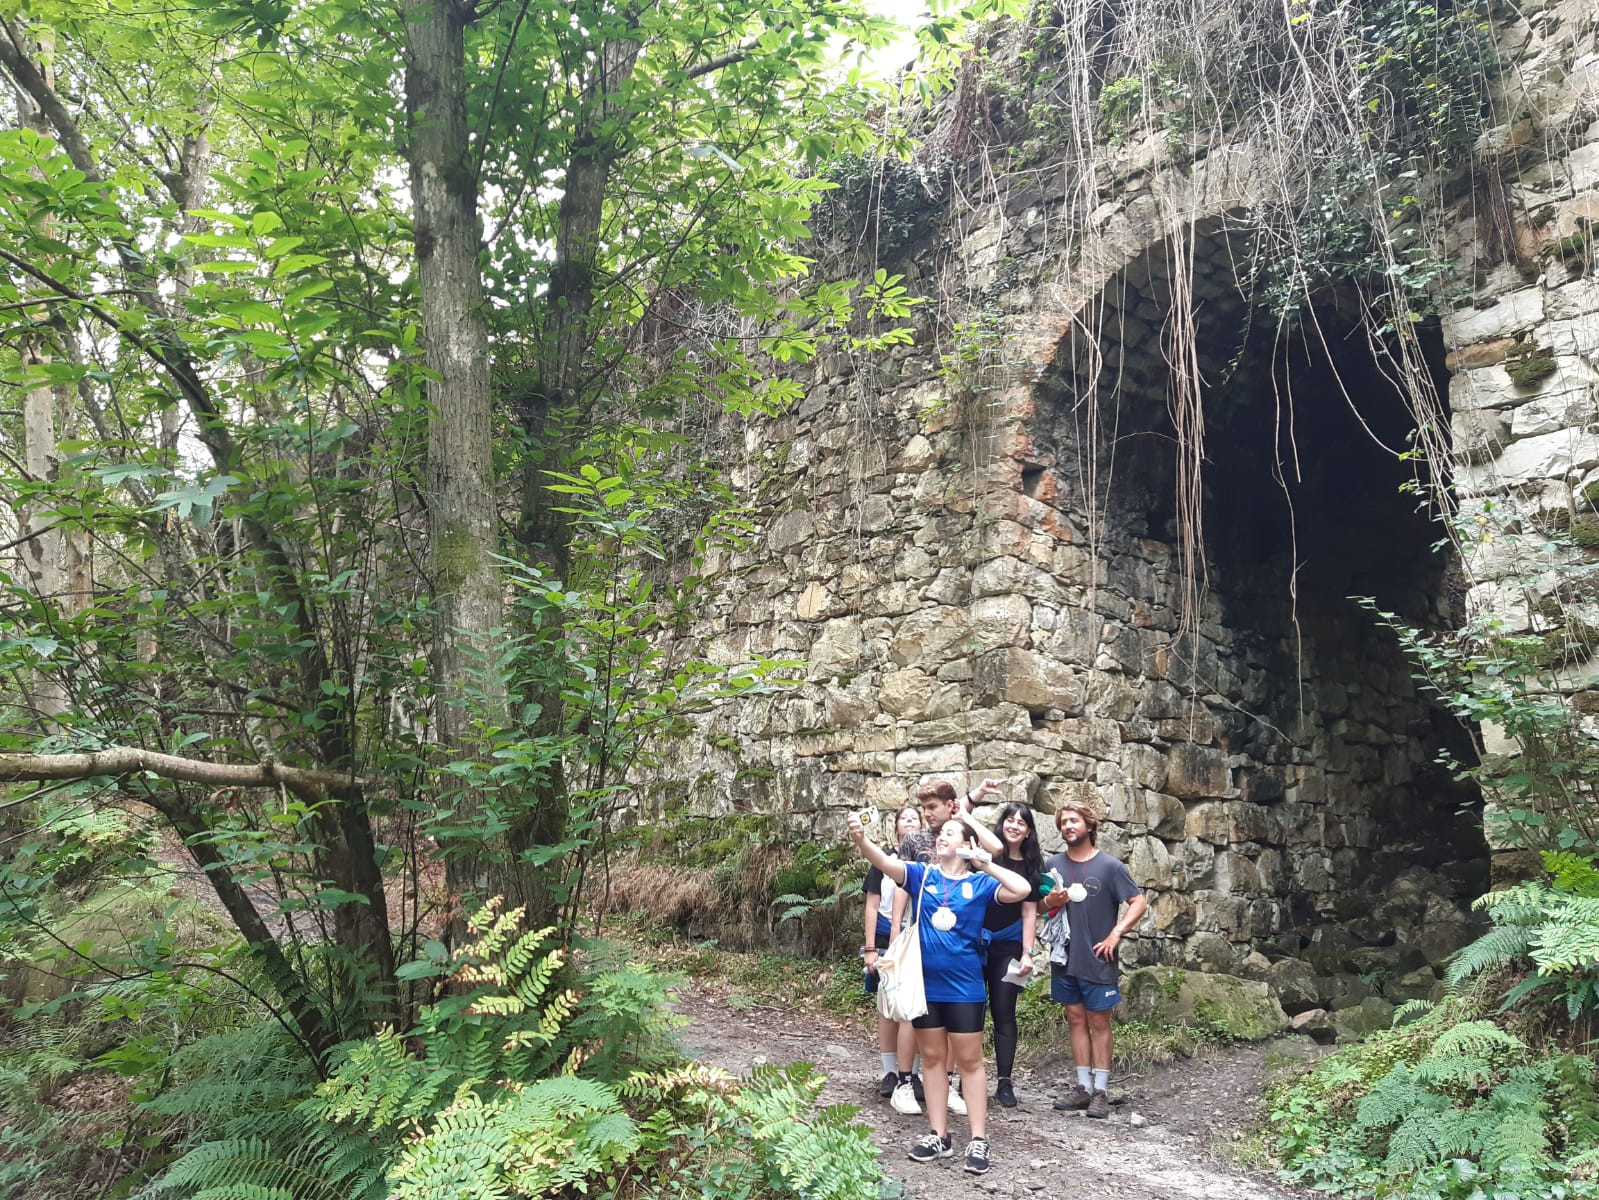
[{"x": 909, "y": 13}]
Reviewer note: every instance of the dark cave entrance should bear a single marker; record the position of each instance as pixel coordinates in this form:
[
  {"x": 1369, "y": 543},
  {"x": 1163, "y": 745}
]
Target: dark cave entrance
[{"x": 1304, "y": 507}]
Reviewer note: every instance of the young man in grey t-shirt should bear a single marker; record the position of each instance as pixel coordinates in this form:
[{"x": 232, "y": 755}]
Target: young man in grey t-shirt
[{"x": 1094, "y": 886}]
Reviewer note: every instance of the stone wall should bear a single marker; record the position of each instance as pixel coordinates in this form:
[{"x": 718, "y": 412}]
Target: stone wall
[{"x": 975, "y": 549}]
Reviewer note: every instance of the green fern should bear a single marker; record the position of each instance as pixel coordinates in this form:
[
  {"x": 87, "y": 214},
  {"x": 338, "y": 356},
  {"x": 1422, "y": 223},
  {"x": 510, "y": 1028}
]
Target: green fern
[
  {"x": 516, "y": 1087},
  {"x": 550, "y": 1136},
  {"x": 252, "y": 1071},
  {"x": 812, "y": 1155},
  {"x": 1500, "y": 947}
]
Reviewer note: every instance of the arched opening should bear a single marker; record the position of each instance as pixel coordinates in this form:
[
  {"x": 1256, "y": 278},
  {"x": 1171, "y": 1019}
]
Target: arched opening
[{"x": 1323, "y": 825}]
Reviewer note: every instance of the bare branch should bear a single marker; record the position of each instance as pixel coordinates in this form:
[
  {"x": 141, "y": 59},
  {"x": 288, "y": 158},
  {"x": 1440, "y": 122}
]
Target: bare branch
[
  {"x": 130, "y": 760},
  {"x": 712, "y": 65}
]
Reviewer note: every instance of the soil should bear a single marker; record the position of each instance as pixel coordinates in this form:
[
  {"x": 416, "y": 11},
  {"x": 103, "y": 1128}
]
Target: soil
[{"x": 1168, "y": 1137}]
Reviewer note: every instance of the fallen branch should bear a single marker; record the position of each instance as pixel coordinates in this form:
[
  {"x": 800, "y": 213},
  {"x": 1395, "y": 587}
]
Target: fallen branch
[{"x": 129, "y": 760}]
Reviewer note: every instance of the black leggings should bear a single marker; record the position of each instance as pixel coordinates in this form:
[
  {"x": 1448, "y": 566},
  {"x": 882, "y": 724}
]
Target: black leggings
[{"x": 1002, "y": 999}]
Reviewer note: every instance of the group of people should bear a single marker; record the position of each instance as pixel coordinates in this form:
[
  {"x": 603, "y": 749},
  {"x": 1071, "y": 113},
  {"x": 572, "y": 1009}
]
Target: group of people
[{"x": 980, "y": 899}]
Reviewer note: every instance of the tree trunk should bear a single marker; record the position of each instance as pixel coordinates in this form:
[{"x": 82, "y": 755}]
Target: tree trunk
[
  {"x": 55, "y": 558},
  {"x": 554, "y": 406},
  {"x": 460, "y": 468}
]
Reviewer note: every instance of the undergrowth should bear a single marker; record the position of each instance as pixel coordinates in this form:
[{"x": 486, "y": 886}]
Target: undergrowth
[
  {"x": 527, "y": 1077},
  {"x": 738, "y": 881},
  {"x": 1492, "y": 1094},
  {"x": 1449, "y": 1105}
]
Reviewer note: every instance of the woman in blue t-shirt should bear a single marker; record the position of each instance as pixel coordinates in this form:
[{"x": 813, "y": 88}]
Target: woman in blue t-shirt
[{"x": 951, "y": 900}]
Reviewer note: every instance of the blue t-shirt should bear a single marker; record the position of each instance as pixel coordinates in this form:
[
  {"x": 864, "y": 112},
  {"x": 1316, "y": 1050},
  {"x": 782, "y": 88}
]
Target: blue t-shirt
[{"x": 952, "y": 961}]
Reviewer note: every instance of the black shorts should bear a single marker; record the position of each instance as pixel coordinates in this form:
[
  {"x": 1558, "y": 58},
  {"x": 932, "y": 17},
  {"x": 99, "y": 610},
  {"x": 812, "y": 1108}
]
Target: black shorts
[{"x": 953, "y": 1016}]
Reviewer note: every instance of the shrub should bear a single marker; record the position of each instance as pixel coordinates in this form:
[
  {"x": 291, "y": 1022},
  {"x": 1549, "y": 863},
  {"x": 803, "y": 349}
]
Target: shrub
[{"x": 521, "y": 1081}]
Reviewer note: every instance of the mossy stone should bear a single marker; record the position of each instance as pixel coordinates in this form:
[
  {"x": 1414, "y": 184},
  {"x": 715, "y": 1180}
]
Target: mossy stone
[
  {"x": 1369, "y": 1016},
  {"x": 1241, "y": 1009},
  {"x": 1527, "y": 363},
  {"x": 1585, "y": 531}
]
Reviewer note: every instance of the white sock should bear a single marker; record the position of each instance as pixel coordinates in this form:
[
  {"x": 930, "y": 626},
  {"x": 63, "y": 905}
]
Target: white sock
[
  {"x": 1101, "y": 1079},
  {"x": 1085, "y": 1079},
  {"x": 890, "y": 1066}
]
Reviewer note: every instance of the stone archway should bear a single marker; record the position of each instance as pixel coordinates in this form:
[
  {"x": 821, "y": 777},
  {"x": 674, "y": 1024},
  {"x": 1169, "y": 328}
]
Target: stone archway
[{"x": 1278, "y": 787}]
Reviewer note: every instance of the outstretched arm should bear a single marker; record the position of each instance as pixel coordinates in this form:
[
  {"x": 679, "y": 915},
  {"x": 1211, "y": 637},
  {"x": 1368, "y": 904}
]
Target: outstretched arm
[
  {"x": 1012, "y": 887},
  {"x": 987, "y": 838},
  {"x": 873, "y": 853}
]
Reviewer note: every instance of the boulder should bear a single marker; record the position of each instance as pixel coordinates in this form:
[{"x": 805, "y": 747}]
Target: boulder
[
  {"x": 1329, "y": 948},
  {"x": 1295, "y": 983},
  {"x": 1342, "y": 991},
  {"x": 1369, "y": 1016},
  {"x": 1420, "y": 984},
  {"x": 1240, "y": 1008},
  {"x": 1315, "y": 1023}
]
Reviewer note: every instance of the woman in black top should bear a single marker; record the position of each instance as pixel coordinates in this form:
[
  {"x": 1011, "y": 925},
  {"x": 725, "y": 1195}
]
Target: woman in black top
[{"x": 1010, "y": 930}]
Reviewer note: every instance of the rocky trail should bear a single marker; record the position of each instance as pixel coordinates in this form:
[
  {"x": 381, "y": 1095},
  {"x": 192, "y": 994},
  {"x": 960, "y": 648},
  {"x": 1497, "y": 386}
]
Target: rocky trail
[{"x": 1166, "y": 1140}]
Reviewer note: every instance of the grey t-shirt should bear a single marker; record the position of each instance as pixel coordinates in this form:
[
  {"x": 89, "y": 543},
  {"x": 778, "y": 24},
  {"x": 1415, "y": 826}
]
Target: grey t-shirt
[{"x": 1109, "y": 885}]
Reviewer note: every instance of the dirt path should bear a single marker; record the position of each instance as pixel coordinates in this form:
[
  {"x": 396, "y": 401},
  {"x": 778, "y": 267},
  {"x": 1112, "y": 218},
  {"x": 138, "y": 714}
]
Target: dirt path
[{"x": 1185, "y": 1114}]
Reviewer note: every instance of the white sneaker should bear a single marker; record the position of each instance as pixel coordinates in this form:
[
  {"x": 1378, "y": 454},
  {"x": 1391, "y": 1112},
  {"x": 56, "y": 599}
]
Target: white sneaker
[
  {"x": 903, "y": 1101},
  {"x": 957, "y": 1102}
]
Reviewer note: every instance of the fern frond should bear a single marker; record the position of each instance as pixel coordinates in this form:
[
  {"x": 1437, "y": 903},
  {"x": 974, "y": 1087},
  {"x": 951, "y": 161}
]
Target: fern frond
[
  {"x": 1568, "y": 939},
  {"x": 1499, "y": 947},
  {"x": 1482, "y": 1039},
  {"x": 1412, "y": 1010},
  {"x": 247, "y": 1166}
]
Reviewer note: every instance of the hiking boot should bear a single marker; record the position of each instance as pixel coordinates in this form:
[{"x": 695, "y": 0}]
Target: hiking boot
[
  {"x": 1005, "y": 1094},
  {"x": 916, "y": 1086},
  {"x": 1098, "y": 1106},
  {"x": 1075, "y": 1100},
  {"x": 886, "y": 1088},
  {"x": 931, "y": 1147},
  {"x": 903, "y": 1101},
  {"x": 977, "y": 1155},
  {"x": 957, "y": 1102}
]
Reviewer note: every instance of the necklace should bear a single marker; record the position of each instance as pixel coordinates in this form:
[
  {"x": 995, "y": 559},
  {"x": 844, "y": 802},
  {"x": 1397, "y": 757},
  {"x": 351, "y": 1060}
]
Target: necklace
[{"x": 1075, "y": 891}]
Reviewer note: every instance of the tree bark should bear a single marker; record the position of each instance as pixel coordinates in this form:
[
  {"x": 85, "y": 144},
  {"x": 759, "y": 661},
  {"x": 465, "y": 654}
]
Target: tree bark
[
  {"x": 556, "y": 400},
  {"x": 311, "y": 786},
  {"x": 55, "y": 558},
  {"x": 460, "y": 467}
]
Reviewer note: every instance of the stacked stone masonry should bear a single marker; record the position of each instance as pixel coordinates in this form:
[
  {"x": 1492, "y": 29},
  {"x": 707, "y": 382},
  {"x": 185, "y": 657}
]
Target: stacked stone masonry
[{"x": 981, "y": 582}]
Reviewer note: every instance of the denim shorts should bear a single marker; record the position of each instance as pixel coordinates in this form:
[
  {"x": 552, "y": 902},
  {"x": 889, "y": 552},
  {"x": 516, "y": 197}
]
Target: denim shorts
[{"x": 1096, "y": 997}]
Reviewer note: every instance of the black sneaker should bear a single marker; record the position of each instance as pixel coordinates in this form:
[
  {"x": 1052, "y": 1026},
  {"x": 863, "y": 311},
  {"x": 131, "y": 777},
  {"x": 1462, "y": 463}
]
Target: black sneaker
[
  {"x": 886, "y": 1088},
  {"x": 1005, "y": 1094},
  {"x": 931, "y": 1147},
  {"x": 1099, "y": 1106},
  {"x": 977, "y": 1155},
  {"x": 916, "y": 1089}
]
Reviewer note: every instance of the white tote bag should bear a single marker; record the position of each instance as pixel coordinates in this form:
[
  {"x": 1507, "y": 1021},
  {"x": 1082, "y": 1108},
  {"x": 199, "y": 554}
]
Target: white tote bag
[{"x": 900, "y": 994}]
